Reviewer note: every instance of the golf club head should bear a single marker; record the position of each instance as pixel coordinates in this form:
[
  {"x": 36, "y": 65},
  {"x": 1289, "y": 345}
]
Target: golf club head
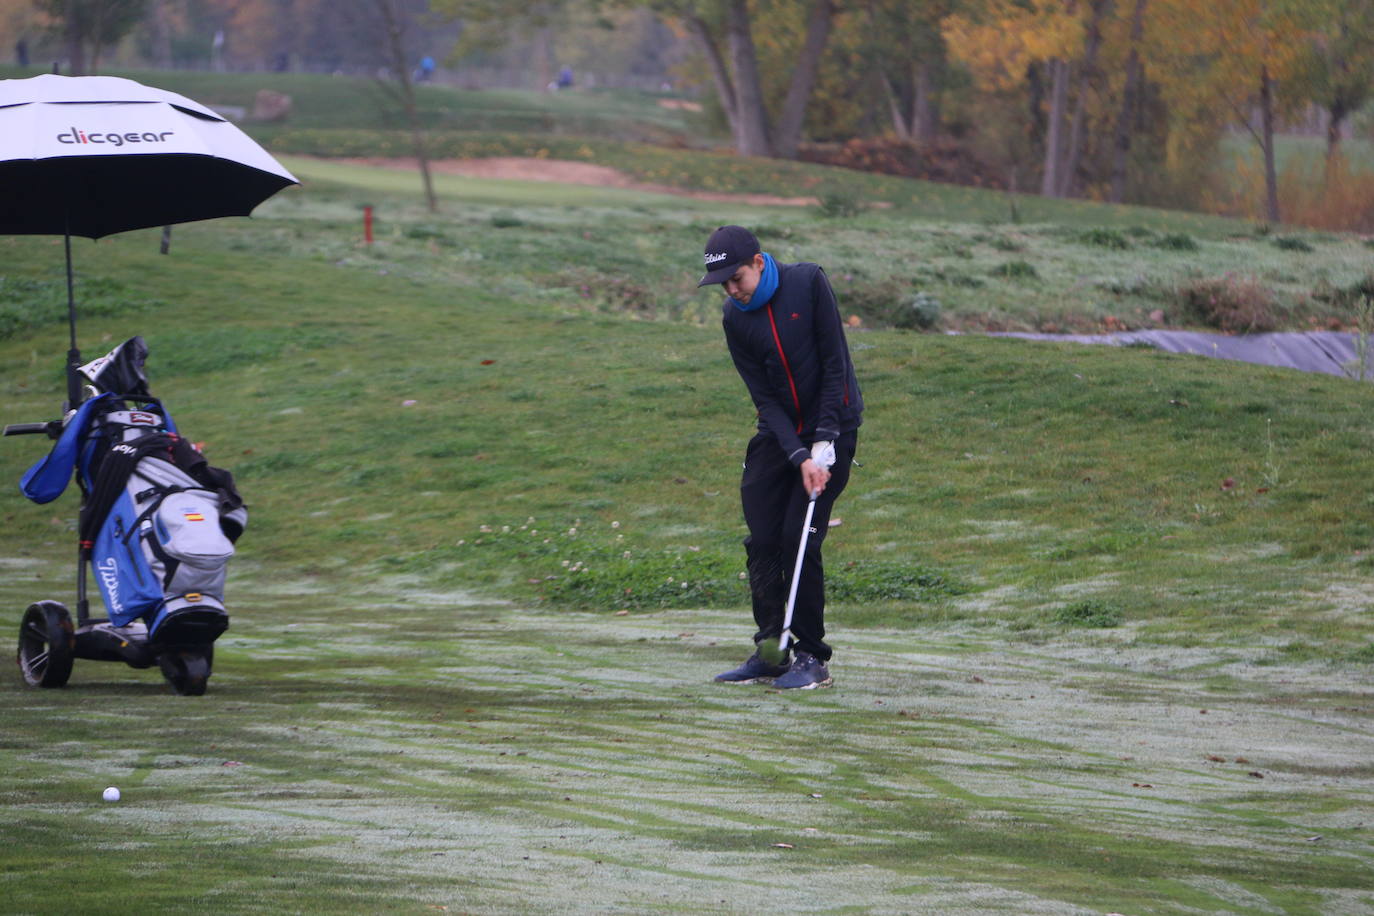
[{"x": 774, "y": 653}]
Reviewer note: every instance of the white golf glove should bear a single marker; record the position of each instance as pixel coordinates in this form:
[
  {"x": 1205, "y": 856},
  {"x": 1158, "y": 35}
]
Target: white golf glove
[{"x": 823, "y": 453}]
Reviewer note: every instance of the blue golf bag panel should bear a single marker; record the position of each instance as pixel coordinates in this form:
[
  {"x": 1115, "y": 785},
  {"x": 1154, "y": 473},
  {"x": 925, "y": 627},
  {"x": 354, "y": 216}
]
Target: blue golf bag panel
[{"x": 126, "y": 580}]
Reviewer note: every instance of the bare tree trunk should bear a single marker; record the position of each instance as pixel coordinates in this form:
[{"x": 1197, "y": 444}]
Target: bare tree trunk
[
  {"x": 1126, "y": 117},
  {"x": 543, "y": 66},
  {"x": 725, "y": 89},
  {"x": 787, "y": 137},
  {"x": 925, "y": 106},
  {"x": 900, "y": 125},
  {"x": 1054, "y": 133},
  {"x": 1338, "y": 113},
  {"x": 162, "y": 34},
  {"x": 76, "y": 47},
  {"x": 1068, "y": 181},
  {"x": 751, "y": 134},
  {"x": 400, "y": 65},
  {"x": 1271, "y": 181}
]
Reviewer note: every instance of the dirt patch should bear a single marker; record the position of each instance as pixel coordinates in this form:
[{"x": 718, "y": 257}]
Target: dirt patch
[
  {"x": 564, "y": 171},
  {"x": 679, "y": 104}
]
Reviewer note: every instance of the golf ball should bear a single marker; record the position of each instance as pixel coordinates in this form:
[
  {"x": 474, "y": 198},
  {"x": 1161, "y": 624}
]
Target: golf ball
[{"x": 111, "y": 794}]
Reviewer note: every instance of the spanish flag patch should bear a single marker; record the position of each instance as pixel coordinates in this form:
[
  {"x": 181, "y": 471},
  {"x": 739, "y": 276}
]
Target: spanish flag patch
[{"x": 194, "y": 516}]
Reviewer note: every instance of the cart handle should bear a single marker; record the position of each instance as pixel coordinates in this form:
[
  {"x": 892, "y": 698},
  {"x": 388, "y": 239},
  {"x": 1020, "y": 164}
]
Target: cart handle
[{"x": 52, "y": 429}]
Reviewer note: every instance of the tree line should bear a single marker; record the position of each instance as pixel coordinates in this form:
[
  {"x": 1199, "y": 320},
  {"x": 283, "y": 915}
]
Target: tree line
[{"x": 1122, "y": 100}]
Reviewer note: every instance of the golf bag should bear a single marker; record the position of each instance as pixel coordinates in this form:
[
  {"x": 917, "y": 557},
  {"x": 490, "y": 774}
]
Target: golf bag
[{"x": 157, "y": 522}]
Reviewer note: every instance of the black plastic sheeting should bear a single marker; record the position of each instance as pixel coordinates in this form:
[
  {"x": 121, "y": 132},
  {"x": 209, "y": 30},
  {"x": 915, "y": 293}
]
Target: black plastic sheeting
[{"x": 1331, "y": 352}]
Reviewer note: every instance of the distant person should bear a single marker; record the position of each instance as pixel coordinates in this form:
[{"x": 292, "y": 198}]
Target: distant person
[
  {"x": 783, "y": 328},
  {"x": 21, "y": 52},
  {"x": 426, "y": 71},
  {"x": 565, "y": 78}
]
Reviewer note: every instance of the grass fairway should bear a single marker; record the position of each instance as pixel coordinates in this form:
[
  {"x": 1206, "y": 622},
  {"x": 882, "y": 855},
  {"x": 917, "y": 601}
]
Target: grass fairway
[{"x": 1102, "y": 618}]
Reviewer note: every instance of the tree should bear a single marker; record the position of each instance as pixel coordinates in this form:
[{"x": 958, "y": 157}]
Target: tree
[
  {"x": 1124, "y": 132},
  {"x": 724, "y": 33},
  {"x": 393, "y": 20},
  {"x": 1337, "y": 70},
  {"x": 493, "y": 23},
  {"x": 906, "y": 49},
  {"x": 1234, "y": 56},
  {"x": 1006, "y": 43},
  {"x": 89, "y": 26}
]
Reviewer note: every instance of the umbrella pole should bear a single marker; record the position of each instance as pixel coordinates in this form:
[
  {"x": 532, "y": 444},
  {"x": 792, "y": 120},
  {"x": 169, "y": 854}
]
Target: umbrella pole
[{"x": 73, "y": 354}]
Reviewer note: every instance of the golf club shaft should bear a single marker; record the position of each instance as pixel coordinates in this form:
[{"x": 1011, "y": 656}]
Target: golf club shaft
[{"x": 796, "y": 576}]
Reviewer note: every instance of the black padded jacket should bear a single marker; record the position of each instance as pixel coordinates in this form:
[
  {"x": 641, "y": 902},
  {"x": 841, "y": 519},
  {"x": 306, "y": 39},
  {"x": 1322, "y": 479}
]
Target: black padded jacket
[{"x": 794, "y": 360}]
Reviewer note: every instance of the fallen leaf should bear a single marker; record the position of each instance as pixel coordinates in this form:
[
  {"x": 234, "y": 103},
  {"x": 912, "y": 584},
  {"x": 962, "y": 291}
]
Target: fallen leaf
[
  {"x": 622, "y": 613},
  {"x": 783, "y": 846},
  {"x": 488, "y": 362},
  {"x": 1215, "y": 759},
  {"x": 1257, "y": 774}
]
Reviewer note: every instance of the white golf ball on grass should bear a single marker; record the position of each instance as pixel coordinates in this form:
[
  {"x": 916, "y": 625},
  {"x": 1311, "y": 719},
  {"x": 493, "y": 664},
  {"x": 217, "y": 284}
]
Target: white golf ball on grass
[{"x": 111, "y": 794}]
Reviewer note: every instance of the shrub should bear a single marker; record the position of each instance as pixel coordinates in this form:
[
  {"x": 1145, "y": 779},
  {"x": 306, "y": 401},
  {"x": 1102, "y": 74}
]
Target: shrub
[
  {"x": 427, "y": 233},
  {"x": 1015, "y": 270},
  {"x": 1228, "y": 304},
  {"x": 1345, "y": 297},
  {"x": 1176, "y": 241},
  {"x": 920, "y": 312},
  {"x": 1105, "y": 238},
  {"x": 839, "y": 204},
  {"x": 885, "y": 302},
  {"x": 1088, "y": 613},
  {"x": 1291, "y": 243}
]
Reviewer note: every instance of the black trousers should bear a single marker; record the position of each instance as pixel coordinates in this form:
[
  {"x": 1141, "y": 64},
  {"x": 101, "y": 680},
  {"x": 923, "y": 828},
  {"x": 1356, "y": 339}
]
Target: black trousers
[{"x": 774, "y": 502}]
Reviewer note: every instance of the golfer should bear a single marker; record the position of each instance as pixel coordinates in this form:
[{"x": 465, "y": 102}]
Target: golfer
[{"x": 783, "y": 327}]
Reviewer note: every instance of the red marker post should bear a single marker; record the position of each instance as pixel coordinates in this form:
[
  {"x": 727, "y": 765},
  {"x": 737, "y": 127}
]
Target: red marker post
[{"x": 367, "y": 224}]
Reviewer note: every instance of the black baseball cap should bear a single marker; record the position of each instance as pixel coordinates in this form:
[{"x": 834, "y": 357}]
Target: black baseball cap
[{"x": 726, "y": 249}]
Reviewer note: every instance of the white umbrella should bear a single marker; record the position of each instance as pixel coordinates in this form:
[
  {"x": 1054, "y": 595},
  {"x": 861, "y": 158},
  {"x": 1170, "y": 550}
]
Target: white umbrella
[{"x": 95, "y": 155}]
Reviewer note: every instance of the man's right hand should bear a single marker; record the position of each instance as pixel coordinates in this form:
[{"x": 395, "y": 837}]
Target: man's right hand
[{"x": 814, "y": 477}]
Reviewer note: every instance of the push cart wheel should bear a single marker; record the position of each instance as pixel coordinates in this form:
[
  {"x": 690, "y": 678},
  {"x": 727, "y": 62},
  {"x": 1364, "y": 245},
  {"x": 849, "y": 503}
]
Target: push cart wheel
[
  {"x": 187, "y": 670},
  {"x": 47, "y": 645}
]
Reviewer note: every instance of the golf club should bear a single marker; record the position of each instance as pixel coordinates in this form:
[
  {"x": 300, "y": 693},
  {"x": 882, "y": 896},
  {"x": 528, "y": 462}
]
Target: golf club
[{"x": 774, "y": 656}]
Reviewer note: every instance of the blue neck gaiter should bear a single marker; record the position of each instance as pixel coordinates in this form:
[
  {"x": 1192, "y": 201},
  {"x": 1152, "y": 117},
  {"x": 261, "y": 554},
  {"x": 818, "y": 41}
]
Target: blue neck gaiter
[{"x": 768, "y": 285}]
